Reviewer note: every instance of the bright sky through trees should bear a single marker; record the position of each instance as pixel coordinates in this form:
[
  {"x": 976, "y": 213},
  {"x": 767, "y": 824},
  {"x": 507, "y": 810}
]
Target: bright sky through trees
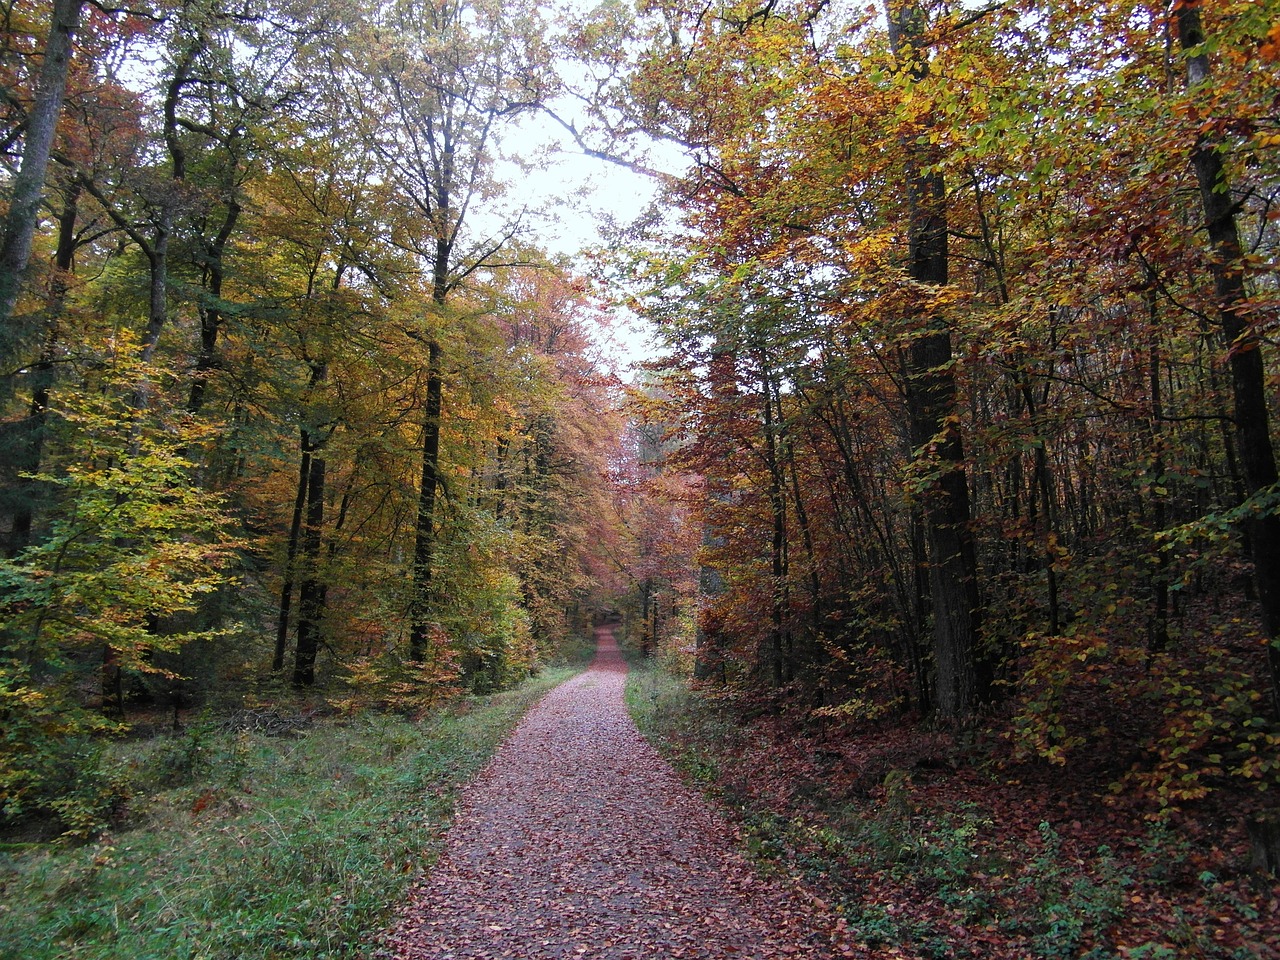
[{"x": 575, "y": 204}]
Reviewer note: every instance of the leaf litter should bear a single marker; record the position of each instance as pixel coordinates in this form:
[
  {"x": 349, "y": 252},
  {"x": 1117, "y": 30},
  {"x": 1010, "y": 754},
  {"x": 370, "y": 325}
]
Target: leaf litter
[{"x": 579, "y": 841}]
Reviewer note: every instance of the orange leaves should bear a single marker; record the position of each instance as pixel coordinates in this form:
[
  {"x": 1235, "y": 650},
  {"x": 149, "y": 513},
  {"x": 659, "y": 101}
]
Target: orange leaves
[{"x": 1270, "y": 47}]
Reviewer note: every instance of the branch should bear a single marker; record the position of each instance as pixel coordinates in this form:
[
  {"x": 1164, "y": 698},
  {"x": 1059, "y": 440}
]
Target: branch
[
  {"x": 972, "y": 18},
  {"x": 127, "y": 11},
  {"x": 624, "y": 162},
  {"x": 112, "y": 211}
]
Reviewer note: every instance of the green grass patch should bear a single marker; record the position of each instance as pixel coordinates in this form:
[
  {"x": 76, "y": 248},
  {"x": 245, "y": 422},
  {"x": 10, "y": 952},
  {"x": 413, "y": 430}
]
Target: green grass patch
[
  {"x": 250, "y": 845},
  {"x": 692, "y": 735}
]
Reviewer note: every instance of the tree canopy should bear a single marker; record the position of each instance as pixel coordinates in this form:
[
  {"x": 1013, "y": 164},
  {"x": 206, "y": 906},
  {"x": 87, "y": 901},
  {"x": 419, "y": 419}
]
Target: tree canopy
[{"x": 962, "y": 409}]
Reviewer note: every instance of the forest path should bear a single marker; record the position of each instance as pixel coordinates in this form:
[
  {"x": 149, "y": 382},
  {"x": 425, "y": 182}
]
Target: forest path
[{"x": 579, "y": 841}]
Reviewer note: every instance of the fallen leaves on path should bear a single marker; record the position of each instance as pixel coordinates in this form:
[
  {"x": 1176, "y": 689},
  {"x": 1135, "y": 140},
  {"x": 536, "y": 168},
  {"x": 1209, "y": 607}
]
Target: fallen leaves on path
[{"x": 579, "y": 841}]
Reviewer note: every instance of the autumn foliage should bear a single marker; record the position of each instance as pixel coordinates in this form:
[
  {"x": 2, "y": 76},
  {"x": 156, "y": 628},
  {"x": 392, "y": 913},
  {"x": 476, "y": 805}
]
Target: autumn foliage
[
  {"x": 973, "y": 372},
  {"x": 280, "y": 420},
  {"x": 962, "y": 420}
]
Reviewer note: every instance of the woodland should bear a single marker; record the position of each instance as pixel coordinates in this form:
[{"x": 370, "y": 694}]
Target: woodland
[{"x": 949, "y": 481}]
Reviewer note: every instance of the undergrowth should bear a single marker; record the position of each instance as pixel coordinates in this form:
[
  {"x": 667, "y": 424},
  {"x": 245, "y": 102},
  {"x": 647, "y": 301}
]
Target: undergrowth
[
  {"x": 244, "y": 844},
  {"x": 694, "y": 740},
  {"x": 956, "y": 863}
]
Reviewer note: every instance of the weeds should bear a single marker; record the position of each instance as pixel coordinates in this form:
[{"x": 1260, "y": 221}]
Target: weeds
[
  {"x": 1074, "y": 908},
  {"x": 666, "y": 711},
  {"x": 249, "y": 845},
  {"x": 938, "y": 873}
]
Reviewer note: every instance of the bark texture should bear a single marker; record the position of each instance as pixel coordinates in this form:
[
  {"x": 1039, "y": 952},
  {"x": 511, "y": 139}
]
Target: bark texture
[
  {"x": 960, "y": 681},
  {"x": 1244, "y": 346},
  {"x": 28, "y": 186}
]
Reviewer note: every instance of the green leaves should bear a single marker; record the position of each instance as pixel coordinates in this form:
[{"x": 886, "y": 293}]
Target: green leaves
[
  {"x": 133, "y": 544},
  {"x": 42, "y": 740}
]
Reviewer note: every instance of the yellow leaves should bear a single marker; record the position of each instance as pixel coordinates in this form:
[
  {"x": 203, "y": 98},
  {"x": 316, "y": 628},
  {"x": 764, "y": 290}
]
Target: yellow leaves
[
  {"x": 131, "y": 537},
  {"x": 870, "y": 251},
  {"x": 1268, "y": 140},
  {"x": 1252, "y": 768}
]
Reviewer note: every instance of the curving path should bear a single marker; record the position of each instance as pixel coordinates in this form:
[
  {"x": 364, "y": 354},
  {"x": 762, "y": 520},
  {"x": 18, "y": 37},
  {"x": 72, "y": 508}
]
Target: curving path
[{"x": 578, "y": 841}]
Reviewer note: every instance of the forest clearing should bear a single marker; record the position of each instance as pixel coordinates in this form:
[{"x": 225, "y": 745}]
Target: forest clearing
[{"x": 939, "y": 513}]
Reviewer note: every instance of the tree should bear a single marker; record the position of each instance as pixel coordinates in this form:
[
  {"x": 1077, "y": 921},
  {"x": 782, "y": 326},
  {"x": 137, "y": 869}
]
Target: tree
[
  {"x": 132, "y": 542},
  {"x": 446, "y": 78},
  {"x": 1006, "y": 373},
  {"x": 929, "y": 384},
  {"x": 31, "y": 343},
  {"x": 28, "y": 186},
  {"x": 1240, "y": 336}
]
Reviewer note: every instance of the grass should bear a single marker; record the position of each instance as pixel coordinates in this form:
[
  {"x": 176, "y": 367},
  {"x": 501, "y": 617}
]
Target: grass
[
  {"x": 248, "y": 845},
  {"x": 693, "y": 738}
]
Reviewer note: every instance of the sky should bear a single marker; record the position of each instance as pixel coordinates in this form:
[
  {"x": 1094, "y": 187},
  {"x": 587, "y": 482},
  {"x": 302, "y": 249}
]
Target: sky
[{"x": 573, "y": 200}]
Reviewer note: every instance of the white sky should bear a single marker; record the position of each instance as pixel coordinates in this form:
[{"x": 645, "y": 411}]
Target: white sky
[{"x": 573, "y": 200}]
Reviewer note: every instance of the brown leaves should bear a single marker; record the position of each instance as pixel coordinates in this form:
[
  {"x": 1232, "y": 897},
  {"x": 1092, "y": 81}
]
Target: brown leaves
[{"x": 579, "y": 841}]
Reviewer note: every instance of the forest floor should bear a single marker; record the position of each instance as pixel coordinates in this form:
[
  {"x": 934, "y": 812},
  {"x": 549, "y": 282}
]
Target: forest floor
[
  {"x": 765, "y": 837},
  {"x": 238, "y": 841},
  {"x": 927, "y": 848},
  {"x": 580, "y": 840}
]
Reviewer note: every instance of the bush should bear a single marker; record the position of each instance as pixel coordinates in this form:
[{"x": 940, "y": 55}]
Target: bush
[{"x": 51, "y": 756}]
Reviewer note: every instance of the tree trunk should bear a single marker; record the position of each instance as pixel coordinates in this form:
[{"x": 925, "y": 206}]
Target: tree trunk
[
  {"x": 28, "y": 186},
  {"x": 425, "y": 539},
  {"x": 813, "y": 579},
  {"x": 953, "y": 585},
  {"x": 654, "y": 631},
  {"x": 291, "y": 560},
  {"x": 211, "y": 313},
  {"x": 1264, "y": 844},
  {"x": 28, "y": 451},
  {"x": 1248, "y": 374},
  {"x": 931, "y": 403},
  {"x": 424, "y": 545},
  {"x": 305, "y": 531},
  {"x": 314, "y": 588}
]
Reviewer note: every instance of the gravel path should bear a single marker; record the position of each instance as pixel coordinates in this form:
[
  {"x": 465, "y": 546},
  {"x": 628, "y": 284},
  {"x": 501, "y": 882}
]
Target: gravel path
[{"x": 578, "y": 841}]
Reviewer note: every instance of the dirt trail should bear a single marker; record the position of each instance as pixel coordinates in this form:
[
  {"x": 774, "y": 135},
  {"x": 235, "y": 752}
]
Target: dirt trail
[{"x": 579, "y": 841}]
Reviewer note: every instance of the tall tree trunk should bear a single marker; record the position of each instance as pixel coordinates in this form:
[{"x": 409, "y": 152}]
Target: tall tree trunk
[
  {"x": 1248, "y": 374},
  {"x": 28, "y": 185},
  {"x": 931, "y": 403},
  {"x": 870, "y": 512},
  {"x": 291, "y": 559},
  {"x": 157, "y": 250},
  {"x": 424, "y": 543},
  {"x": 158, "y": 292},
  {"x": 28, "y": 451},
  {"x": 313, "y": 590},
  {"x": 305, "y": 528}
]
